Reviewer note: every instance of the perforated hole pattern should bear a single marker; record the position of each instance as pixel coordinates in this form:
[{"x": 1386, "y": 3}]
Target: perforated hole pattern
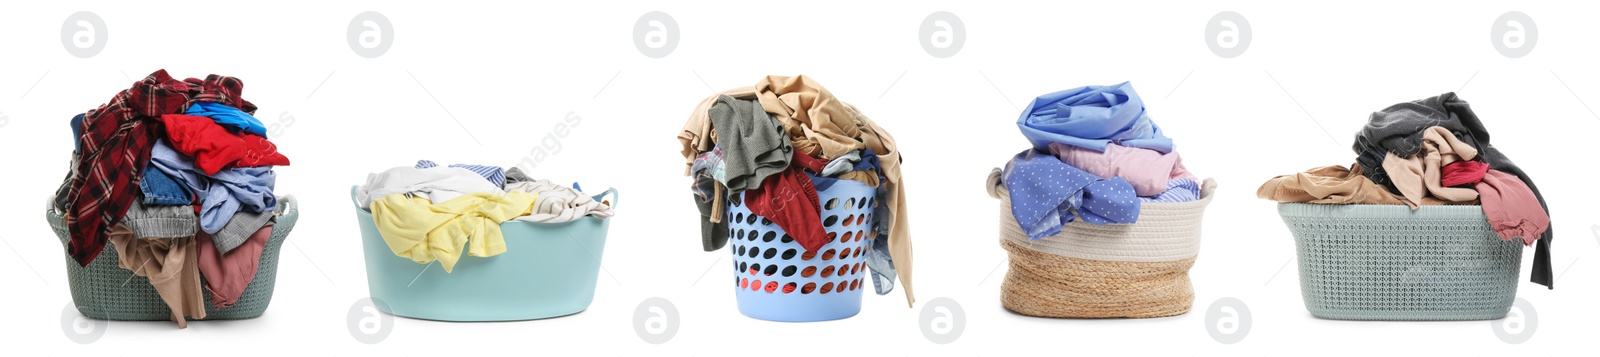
[{"x": 766, "y": 259}]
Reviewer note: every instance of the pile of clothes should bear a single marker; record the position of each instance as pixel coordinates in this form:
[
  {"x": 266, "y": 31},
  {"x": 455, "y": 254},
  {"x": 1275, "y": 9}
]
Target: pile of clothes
[
  {"x": 775, "y": 143},
  {"x": 1432, "y": 151},
  {"x": 177, "y": 176},
  {"x": 429, "y": 212},
  {"x": 1096, "y": 156}
]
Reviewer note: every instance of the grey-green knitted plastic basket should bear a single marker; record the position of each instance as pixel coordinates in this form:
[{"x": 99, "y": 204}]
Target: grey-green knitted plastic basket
[
  {"x": 104, "y": 291},
  {"x": 1388, "y": 262}
]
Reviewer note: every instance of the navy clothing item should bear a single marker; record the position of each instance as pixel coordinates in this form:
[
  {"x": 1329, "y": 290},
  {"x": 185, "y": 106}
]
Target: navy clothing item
[
  {"x": 159, "y": 188},
  {"x": 1045, "y": 193},
  {"x": 77, "y": 132},
  {"x": 1399, "y": 127}
]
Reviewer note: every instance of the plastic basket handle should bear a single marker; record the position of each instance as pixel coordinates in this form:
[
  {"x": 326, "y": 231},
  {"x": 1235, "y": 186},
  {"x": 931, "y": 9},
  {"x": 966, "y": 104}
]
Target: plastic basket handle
[
  {"x": 609, "y": 191},
  {"x": 290, "y": 204}
]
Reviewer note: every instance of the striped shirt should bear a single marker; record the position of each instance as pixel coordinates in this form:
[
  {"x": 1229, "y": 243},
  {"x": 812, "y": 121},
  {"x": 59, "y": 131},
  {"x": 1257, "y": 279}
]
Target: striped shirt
[{"x": 494, "y": 174}]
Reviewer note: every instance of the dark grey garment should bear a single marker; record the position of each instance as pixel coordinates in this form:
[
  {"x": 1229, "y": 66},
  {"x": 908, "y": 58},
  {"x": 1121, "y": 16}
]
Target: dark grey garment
[
  {"x": 753, "y": 144},
  {"x": 238, "y": 229},
  {"x": 160, "y": 221},
  {"x": 515, "y": 175},
  {"x": 713, "y": 236},
  {"x": 1398, "y": 129}
]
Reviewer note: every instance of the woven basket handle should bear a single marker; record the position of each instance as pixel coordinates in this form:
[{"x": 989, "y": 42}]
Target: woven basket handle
[{"x": 993, "y": 183}]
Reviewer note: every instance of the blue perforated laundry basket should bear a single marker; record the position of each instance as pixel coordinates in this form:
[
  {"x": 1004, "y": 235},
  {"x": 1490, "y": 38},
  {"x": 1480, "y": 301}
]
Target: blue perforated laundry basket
[
  {"x": 548, "y": 270},
  {"x": 1389, "y": 262},
  {"x": 776, "y": 279}
]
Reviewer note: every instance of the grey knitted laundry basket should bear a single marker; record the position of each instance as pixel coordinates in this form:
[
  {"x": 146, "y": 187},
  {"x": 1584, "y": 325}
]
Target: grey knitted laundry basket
[
  {"x": 1388, "y": 262},
  {"x": 101, "y": 290}
]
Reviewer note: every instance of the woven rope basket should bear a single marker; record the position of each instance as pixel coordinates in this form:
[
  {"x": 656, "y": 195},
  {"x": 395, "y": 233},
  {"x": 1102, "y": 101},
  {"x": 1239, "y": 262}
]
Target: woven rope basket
[
  {"x": 1387, "y": 262},
  {"x": 101, "y": 290},
  {"x": 1135, "y": 270}
]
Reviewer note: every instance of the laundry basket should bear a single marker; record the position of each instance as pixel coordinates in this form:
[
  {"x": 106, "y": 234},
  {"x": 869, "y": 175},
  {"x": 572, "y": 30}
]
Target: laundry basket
[
  {"x": 776, "y": 279},
  {"x": 102, "y": 290},
  {"x": 1388, "y": 262},
  {"x": 548, "y": 270},
  {"x": 1137, "y": 270}
]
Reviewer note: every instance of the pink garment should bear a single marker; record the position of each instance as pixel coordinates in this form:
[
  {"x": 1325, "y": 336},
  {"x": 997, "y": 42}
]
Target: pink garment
[
  {"x": 1461, "y": 173},
  {"x": 1418, "y": 176},
  {"x": 228, "y": 274},
  {"x": 1148, "y": 170},
  {"x": 1513, "y": 210}
]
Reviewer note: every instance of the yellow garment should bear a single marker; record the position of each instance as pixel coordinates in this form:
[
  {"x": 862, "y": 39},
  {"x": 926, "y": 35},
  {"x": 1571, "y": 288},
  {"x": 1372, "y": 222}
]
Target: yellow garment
[{"x": 422, "y": 231}]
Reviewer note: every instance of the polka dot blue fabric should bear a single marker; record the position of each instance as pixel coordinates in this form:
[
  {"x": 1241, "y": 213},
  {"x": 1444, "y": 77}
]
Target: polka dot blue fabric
[{"x": 1045, "y": 193}]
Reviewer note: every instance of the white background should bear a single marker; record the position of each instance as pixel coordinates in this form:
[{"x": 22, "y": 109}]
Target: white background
[{"x": 502, "y": 75}]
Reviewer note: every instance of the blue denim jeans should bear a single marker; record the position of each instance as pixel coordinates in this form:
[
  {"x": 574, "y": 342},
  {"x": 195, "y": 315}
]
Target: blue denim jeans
[{"x": 159, "y": 188}]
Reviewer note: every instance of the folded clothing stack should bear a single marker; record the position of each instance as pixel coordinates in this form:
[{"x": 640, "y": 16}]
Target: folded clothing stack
[
  {"x": 773, "y": 144},
  {"x": 1100, "y": 218},
  {"x": 428, "y": 212},
  {"x": 1432, "y": 151},
  {"x": 177, "y": 176},
  {"x": 1096, "y": 156}
]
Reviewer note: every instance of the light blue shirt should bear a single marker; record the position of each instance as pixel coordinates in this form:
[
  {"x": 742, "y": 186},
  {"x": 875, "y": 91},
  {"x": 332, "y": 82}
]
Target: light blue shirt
[
  {"x": 1089, "y": 117},
  {"x": 222, "y": 194}
]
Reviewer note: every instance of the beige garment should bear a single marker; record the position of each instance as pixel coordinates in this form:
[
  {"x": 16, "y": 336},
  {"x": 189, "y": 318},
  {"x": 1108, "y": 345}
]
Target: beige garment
[
  {"x": 697, "y": 136},
  {"x": 172, "y": 266},
  {"x": 875, "y": 138},
  {"x": 1417, "y": 177},
  {"x": 1334, "y": 185},
  {"x": 817, "y": 123}
]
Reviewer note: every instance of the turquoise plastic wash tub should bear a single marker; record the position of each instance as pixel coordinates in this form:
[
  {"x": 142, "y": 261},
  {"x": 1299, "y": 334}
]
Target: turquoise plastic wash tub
[
  {"x": 548, "y": 270},
  {"x": 1388, "y": 262},
  {"x": 776, "y": 279}
]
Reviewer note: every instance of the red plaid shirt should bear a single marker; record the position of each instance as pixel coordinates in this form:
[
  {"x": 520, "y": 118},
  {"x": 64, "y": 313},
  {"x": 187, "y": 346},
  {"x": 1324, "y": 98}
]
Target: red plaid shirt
[{"x": 116, "y": 146}]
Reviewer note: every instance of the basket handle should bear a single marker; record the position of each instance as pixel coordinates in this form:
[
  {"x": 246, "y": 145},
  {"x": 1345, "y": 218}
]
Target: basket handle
[
  {"x": 354, "y": 191},
  {"x": 614, "y": 198},
  {"x": 290, "y": 204},
  {"x": 993, "y": 183}
]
